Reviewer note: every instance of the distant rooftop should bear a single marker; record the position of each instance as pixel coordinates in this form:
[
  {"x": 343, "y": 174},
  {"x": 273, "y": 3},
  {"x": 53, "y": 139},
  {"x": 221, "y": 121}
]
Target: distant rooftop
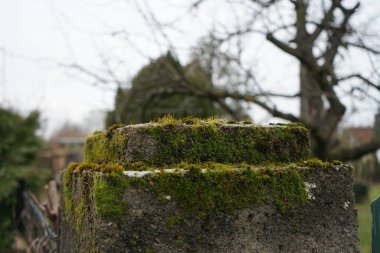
[
  {"x": 71, "y": 140},
  {"x": 360, "y": 134}
]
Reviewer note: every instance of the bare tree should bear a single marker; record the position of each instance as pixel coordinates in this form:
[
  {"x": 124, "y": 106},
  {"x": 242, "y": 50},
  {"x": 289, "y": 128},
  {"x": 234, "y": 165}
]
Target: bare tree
[{"x": 319, "y": 34}]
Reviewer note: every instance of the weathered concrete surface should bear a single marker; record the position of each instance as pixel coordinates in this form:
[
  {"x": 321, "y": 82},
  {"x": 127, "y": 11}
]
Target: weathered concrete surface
[
  {"x": 326, "y": 223},
  {"x": 206, "y": 186},
  {"x": 159, "y": 144}
]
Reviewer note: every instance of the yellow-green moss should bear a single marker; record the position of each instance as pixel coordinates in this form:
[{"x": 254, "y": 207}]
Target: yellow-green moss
[
  {"x": 170, "y": 120},
  {"x": 204, "y": 192},
  {"x": 195, "y": 140},
  {"x": 221, "y": 188},
  {"x": 108, "y": 195},
  {"x": 179, "y": 242},
  {"x": 109, "y": 168},
  {"x": 68, "y": 190},
  {"x": 77, "y": 188},
  {"x": 202, "y": 143},
  {"x": 105, "y": 146},
  {"x": 200, "y": 190},
  {"x": 173, "y": 220},
  {"x": 148, "y": 250},
  {"x": 106, "y": 191},
  {"x": 316, "y": 163},
  {"x": 203, "y": 189}
]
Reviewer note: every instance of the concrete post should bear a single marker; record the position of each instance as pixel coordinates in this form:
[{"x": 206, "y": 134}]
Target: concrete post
[{"x": 206, "y": 186}]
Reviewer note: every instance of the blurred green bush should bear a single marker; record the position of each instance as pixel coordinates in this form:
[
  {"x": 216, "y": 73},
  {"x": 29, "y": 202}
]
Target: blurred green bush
[{"x": 19, "y": 145}]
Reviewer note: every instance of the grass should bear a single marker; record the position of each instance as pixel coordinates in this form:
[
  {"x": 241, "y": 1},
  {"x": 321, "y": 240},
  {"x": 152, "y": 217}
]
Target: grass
[{"x": 365, "y": 219}]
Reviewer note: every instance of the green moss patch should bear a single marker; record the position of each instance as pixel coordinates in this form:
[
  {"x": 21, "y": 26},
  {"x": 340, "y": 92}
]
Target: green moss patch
[
  {"x": 78, "y": 204},
  {"x": 209, "y": 191},
  {"x": 228, "y": 144},
  {"x": 195, "y": 188},
  {"x": 169, "y": 141},
  {"x": 108, "y": 195},
  {"x": 107, "y": 146},
  {"x": 93, "y": 191},
  {"x": 102, "y": 190}
]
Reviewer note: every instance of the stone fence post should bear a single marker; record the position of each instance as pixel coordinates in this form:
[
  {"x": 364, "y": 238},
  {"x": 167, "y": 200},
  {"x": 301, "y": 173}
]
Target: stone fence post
[{"x": 206, "y": 186}]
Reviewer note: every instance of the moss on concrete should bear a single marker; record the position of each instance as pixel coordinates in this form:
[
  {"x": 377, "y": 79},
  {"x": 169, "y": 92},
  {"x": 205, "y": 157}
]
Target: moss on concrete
[
  {"x": 107, "y": 146},
  {"x": 223, "y": 144},
  {"x": 208, "y": 191},
  {"x": 198, "y": 168},
  {"x": 78, "y": 202},
  {"x": 101, "y": 186},
  {"x": 200, "y": 190},
  {"x": 108, "y": 195},
  {"x": 193, "y": 140},
  {"x": 196, "y": 188}
]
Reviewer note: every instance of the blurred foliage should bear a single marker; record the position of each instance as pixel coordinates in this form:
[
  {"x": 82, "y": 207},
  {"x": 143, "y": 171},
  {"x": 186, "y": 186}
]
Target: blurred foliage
[
  {"x": 149, "y": 96},
  {"x": 19, "y": 145},
  {"x": 138, "y": 103},
  {"x": 361, "y": 189}
]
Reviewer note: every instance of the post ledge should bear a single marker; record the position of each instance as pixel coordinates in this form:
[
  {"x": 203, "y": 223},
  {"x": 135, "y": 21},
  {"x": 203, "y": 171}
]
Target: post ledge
[{"x": 160, "y": 143}]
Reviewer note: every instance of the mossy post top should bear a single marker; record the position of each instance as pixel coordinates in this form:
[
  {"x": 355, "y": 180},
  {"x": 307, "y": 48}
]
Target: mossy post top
[
  {"x": 169, "y": 141},
  {"x": 206, "y": 186}
]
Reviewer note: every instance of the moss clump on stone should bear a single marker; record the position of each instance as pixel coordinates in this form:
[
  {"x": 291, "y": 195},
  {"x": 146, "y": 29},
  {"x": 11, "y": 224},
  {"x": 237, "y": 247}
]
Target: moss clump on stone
[
  {"x": 109, "y": 168},
  {"x": 224, "y": 144},
  {"x": 108, "y": 195},
  {"x": 173, "y": 220},
  {"x": 291, "y": 124},
  {"x": 196, "y": 189},
  {"x": 104, "y": 190},
  {"x": 200, "y": 190},
  {"x": 68, "y": 191},
  {"x": 105, "y": 146},
  {"x": 77, "y": 198},
  {"x": 172, "y": 141},
  {"x": 170, "y": 120},
  {"x": 196, "y": 169},
  {"x": 207, "y": 191},
  {"x": 316, "y": 163}
]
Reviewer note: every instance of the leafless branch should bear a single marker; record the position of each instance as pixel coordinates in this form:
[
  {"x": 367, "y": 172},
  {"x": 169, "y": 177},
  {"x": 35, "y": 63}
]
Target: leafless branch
[
  {"x": 327, "y": 18},
  {"x": 284, "y": 47},
  {"x": 98, "y": 78},
  {"x": 336, "y": 36},
  {"x": 362, "y": 78},
  {"x": 346, "y": 154},
  {"x": 363, "y": 47}
]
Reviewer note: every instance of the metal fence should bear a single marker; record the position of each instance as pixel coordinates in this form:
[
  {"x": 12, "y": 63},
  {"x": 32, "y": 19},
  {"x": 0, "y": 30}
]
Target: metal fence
[
  {"x": 375, "y": 208},
  {"x": 39, "y": 230}
]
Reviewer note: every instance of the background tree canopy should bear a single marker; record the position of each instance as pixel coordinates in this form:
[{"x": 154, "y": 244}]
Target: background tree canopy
[
  {"x": 140, "y": 102},
  {"x": 323, "y": 39},
  {"x": 320, "y": 36}
]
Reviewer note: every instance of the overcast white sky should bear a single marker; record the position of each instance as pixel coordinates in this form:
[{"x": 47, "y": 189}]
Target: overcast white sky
[{"x": 38, "y": 35}]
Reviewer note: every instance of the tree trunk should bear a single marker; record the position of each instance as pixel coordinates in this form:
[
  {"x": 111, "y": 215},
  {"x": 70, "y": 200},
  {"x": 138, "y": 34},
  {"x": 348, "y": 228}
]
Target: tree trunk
[
  {"x": 312, "y": 108},
  {"x": 311, "y": 97}
]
